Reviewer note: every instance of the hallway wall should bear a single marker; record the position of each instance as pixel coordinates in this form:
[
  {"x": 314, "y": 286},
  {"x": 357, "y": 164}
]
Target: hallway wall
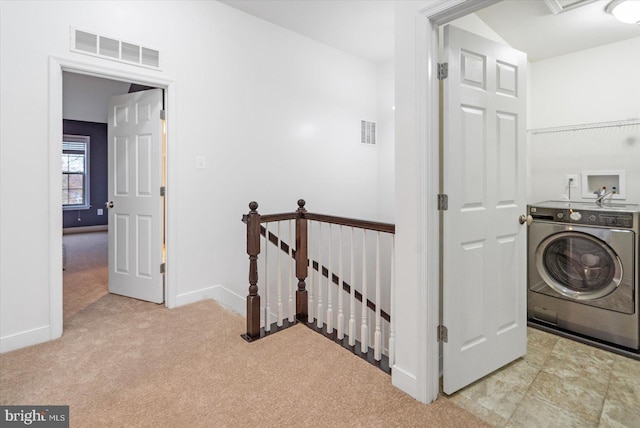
[{"x": 275, "y": 115}]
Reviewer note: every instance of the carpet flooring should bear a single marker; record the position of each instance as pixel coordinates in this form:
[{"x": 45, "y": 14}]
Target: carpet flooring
[
  {"x": 127, "y": 363},
  {"x": 85, "y": 275}
]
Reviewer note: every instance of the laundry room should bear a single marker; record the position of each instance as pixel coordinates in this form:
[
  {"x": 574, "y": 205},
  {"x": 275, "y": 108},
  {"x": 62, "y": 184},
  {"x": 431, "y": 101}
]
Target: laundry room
[
  {"x": 583, "y": 154},
  {"x": 584, "y": 191},
  {"x": 584, "y": 123}
]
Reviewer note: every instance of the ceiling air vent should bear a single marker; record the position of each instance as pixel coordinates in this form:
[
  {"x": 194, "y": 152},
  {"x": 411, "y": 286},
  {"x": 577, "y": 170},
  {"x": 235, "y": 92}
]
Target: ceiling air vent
[
  {"x": 109, "y": 47},
  {"x": 86, "y": 42},
  {"x": 150, "y": 57},
  {"x": 113, "y": 49},
  {"x": 367, "y": 133},
  {"x": 559, "y": 6}
]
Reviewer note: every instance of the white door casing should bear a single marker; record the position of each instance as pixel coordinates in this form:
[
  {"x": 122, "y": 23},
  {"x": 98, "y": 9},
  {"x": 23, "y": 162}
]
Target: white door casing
[
  {"x": 135, "y": 179},
  {"x": 484, "y": 244}
]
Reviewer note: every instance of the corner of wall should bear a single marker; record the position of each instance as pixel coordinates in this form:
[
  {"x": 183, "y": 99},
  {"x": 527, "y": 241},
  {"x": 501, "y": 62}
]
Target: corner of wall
[{"x": 227, "y": 298}]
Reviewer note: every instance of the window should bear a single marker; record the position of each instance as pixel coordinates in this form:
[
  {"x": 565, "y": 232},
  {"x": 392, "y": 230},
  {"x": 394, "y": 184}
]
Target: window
[{"x": 75, "y": 172}]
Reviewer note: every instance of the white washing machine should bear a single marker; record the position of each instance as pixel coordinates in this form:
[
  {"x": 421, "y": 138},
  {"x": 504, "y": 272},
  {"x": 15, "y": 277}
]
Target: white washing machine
[{"x": 583, "y": 270}]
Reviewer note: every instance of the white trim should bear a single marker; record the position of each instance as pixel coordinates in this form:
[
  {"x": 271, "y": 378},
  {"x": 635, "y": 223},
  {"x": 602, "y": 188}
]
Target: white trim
[
  {"x": 25, "y": 338},
  {"x": 227, "y": 298},
  {"x": 85, "y": 229},
  {"x": 230, "y": 300},
  {"x": 428, "y": 130},
  {"x": 404, "y": 381},
  {"x": 55, "y": 200},
  {"x": 57, "y": 66}
]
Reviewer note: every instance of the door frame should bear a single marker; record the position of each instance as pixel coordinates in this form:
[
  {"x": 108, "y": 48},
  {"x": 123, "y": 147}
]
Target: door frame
[
  {"x": 430, "y": 18},
  {"x": 58, "y": 65}
]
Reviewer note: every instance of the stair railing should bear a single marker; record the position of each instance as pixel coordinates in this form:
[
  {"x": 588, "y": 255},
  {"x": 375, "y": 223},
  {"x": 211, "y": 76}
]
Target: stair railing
[{"x": 321, "y": 305}]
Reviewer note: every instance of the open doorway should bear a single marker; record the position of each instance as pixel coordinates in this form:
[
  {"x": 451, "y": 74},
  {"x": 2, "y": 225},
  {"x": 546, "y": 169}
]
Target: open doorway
[
  {"x": 90, "y": 167},
  {"x": 57, "y": 66},
  {"x": 553, "y": 103}
]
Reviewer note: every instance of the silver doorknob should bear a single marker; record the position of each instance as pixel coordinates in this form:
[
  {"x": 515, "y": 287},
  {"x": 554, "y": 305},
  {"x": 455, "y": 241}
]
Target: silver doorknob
[
  {"x": 109, "y": 204},
  {"x": 525, "y": 219}
]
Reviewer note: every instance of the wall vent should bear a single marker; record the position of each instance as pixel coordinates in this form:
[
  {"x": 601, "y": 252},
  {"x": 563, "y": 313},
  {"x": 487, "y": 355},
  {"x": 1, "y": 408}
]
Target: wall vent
[
  {"x": 559, "y": 6},
  {"x": 367, "y": 133},
  {"x": 110, "y": 48}
]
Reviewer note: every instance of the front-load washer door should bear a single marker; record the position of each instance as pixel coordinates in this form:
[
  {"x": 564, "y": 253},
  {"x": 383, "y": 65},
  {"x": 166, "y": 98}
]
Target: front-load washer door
[{"x": 578, "y": 266}]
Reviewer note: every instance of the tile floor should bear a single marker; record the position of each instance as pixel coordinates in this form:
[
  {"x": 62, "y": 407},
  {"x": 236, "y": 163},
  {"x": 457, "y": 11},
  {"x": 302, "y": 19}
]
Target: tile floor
[{"x": 559, "y": 383}]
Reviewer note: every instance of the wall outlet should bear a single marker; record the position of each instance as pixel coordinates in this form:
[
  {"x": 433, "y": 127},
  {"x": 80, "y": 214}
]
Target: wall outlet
[{"x": 100, "y": 211}]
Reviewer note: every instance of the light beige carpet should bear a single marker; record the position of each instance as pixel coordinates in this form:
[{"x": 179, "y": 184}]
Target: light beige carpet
[
  {"x": 126, "y": 363},
  {"x": 122, "y": 362},
  {"x": 85, "y": 276}
]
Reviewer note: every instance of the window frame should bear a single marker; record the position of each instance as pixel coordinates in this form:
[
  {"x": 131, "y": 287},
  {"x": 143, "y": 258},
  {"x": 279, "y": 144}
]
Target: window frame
[{"x": 86, "y": 140}]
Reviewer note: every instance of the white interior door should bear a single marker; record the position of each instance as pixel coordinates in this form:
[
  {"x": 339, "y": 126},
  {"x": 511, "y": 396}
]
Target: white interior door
[
  {"x": 135, "y": 201},
  {"x": 484, "y": 244}
]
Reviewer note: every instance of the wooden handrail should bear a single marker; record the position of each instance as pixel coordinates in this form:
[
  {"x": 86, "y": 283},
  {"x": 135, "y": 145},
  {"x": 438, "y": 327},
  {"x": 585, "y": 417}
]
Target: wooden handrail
[
  {"x": 254, "y": 229},
  {"x": 342, "y": 221},
  {"x": 268, "y": 218},
  {"x": 351, "y": 222}
]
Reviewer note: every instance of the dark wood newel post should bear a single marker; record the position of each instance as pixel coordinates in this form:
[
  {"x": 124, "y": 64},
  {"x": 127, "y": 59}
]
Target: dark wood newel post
[
  {"x": 302, "y": 263},
  {"x": 253, "y": 249}
]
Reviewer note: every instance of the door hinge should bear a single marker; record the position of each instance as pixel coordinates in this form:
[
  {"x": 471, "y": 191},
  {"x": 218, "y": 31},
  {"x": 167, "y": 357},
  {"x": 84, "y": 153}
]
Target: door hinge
[
  {"x": 443, "y": 202},
  {"x": 163, "y": 114},
  {"x": 163, "y": 268},
  {"x": 443, "y": 70},
  {"x": 163, "y": 191},
  {"x": 443, "y": 334}
]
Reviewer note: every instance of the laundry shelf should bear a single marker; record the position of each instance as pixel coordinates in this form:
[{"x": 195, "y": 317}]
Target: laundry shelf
[{"x": 596, "y": 125}]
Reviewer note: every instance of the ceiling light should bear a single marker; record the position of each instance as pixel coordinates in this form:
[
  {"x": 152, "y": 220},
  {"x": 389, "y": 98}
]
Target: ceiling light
[{"x": 627, "y": 11}]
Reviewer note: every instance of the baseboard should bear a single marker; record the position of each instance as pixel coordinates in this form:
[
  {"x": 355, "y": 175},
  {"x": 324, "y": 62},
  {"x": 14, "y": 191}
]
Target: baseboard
[
  {"x": 25, "y": 338},
  {"x": 404, "y": 381},
  {"x": 84, "y": 229},
  {"x": 228, "y": 299}
]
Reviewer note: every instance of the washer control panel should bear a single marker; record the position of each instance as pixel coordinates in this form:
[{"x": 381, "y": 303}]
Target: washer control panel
[{"x": 624, "y": 220}]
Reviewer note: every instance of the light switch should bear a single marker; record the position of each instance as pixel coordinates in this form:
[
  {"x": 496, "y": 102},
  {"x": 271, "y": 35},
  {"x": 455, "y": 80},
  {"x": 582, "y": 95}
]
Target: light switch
[
  {"x": 201, "y": 162},
  {"x": 100, "y": 211}
]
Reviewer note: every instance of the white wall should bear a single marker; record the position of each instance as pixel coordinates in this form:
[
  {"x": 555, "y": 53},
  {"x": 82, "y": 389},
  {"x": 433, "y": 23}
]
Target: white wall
[
  {"x": 475, "y": 25},
  {"x": 276, "y": 115},
  {"x": 590, "y": 86},
  {"x": 386, "y": 142},
  {"x": 410, "y": 192},
  {"x": 86, "y": 98}
]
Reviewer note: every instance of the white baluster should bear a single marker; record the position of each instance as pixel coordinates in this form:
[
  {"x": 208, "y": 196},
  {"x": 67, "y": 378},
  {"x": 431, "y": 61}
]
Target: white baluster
[
  {"x": 377, "y": 337},
  {"x": 319, "y": 312},
  {"x": 312, "y": 275},
  {"x": 364, "y": 328},
  {"x": 330, "y": 285},
  {"x": 267, "y": 308},
  {"x": 292, "y": 302},
  {"x": 352, "y": 296},
  {"x": 279, "y": 284},
  {"x": 392, "y": 327},
  {"x": 340, "y": 292}
]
